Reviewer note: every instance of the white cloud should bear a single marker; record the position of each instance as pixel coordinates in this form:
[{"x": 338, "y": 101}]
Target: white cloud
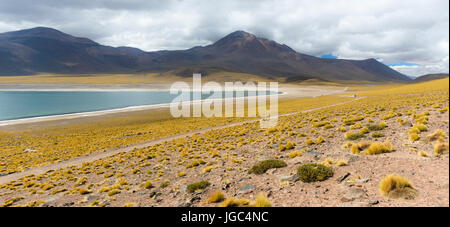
[{"x": 416, "y": 31}]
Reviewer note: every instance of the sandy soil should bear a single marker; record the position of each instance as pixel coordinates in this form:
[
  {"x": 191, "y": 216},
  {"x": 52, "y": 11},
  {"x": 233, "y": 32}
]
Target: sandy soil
[
  {"x": 99, "y": 155},
  {"x": 429, "y": 175}
]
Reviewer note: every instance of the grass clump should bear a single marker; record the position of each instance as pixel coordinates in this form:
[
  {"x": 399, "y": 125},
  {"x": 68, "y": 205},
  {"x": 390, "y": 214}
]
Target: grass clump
[
  {"x": 312, "y": 172},
  {"x": 394, "y": 186},
  {"x": 342, "y": 163},
  {"x": 233, "y": 202},
  {"x": 263, "y": 166},
  {"x": 382, "y": 125},
  {"x": 379, "y": 148},
  {"x": 262, "y": 201},
  {"x": 198, "y": 186},
  {"x": 437, "y": 135},
  {"x": 148, "y": 184},
  {"x": 113, "y": 192},
  {"x": 423, "y": 154},
  {"x": 357, "y": 148},
  {"x": 354, "y": 135},
  {"x": 164, "y": 184},
  {"x": 294, "y": 154},
  {"x": 441, "y": 148},
  {"x": 414, "y": 136},
  {"x": 377, "y": 135},
  {"x": 129, "y": 205},
  {"x": 216, "y": 197}
]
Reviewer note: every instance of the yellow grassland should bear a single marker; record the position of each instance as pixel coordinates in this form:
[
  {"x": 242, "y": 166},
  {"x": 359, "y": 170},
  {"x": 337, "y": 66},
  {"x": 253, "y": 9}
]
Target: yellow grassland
[{"x": 191, "y": 155}]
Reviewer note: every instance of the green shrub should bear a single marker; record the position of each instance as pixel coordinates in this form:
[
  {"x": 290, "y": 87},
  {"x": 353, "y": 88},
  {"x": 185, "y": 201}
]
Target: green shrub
[
  {"x": 262, "y": 167},
  {"x": 377, "y": 135},
  {"x": 312, "y": 172},
  {"x": 198, "y": 186},
  {"x": 354, "y": 135}
]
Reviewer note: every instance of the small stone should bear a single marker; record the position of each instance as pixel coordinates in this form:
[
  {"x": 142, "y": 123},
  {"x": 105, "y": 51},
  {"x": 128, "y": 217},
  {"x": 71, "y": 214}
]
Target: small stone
[
  {"x": 295, "y": 161},
  {"x": 356, "y": 204},
  {"x": 373, "y": 202},
  {"x": 195, "y": 199},
  {"x": 289, "y": 178},
  {"x": 92, "y": 198},
  {"x": 341, "y": 178},
  {"x": 155, "y": 194},
  {"x": 271, "y": 171},
  {"x": 353, "y": 194},
  {"x": 364, "y": 180},
  {"x": 246, "y": 189}
]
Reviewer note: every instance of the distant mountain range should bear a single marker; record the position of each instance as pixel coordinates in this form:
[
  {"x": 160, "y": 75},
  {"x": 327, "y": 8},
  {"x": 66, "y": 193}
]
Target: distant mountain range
[
  {"x": 46, "y": 50},
  {"x": 429, "y": 77}
]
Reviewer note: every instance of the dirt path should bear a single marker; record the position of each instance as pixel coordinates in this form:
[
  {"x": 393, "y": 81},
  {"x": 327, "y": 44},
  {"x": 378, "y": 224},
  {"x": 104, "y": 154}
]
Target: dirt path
[{"x": 107, "y": 153}]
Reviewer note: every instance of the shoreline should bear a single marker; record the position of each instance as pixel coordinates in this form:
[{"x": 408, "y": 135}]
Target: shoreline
[
  {"x": 286, "y": 91},
  {"x": 112, "y": 111}
]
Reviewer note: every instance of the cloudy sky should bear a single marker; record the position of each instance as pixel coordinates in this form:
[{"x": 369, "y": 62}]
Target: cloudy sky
[{"x": 410, "y": 36}]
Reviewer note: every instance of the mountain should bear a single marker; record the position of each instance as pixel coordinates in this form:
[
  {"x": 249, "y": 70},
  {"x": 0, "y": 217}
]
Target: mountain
[
  {"x": 429, "y": 77},
  {"x": 46, "y": 50}
]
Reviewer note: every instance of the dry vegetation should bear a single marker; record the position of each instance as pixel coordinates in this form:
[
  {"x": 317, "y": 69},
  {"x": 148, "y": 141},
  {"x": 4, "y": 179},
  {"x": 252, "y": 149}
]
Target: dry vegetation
[{"x": 364, "y": 137}]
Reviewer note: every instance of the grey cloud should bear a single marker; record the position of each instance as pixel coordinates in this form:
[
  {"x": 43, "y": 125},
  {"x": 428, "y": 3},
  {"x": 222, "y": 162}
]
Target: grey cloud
[{"x": 414, "y": 31}]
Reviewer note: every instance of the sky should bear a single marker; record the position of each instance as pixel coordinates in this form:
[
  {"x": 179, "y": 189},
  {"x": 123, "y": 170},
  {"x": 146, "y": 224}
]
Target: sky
[{"x": 410, "y": 36}]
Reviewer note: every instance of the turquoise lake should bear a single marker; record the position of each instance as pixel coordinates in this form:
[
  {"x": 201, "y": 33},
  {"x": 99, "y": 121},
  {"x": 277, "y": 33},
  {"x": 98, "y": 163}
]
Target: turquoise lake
[{"x": 27, "y": 104}]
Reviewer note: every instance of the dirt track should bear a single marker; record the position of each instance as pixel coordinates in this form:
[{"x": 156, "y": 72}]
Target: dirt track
[{"x": 107, "y": 153}]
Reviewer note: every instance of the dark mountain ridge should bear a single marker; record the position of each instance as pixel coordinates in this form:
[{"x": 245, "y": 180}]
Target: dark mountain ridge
[
  {"x": 429, "y": 77},
  {"x": 46, "y": 50}
]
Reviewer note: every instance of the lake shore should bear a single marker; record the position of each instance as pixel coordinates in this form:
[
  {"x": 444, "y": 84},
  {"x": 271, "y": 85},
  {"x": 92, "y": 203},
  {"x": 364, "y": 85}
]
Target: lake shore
[{"x": 287, "y": 91}]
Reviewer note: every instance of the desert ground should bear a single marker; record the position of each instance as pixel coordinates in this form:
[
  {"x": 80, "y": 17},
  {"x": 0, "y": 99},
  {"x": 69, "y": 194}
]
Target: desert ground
[{"x": 146, "y": 158}]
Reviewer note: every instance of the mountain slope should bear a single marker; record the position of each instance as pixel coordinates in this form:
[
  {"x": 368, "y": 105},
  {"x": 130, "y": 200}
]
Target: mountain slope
[
  {"x": 429, "y": 77},
  {"x": 48, "y": 50}
]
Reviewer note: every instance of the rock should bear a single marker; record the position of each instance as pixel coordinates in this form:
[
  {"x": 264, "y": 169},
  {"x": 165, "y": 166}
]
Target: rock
[
  {"x": 195, "y": 199},
  {"x": 50, "y": 202},
  {"x": 155, "y": 194},
  {"x": 242, "y": 179},
  {"x": 68, "y": 204},
  {"x": 92, "y": 198},
  {"x": 289, "y": 178},
  {"x": 313, "y": 153},
  {"x": 364, "y": 180},
  {"x": 295, "y": 161},
  {"x": 356, "y": 204},
  {"x": 275, "y": 146},
  {"x": 373, "y": 202},
  {"x": 343, "y": 177},
  {"x": 246, "y": 189},
  {"x": 105, "y": 203},
  {"x": 354, "y": 194},
  {"x": 271, "y": 171}
]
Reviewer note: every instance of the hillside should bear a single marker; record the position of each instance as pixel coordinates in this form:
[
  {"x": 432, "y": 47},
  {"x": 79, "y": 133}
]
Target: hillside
[
  {"x": 429, "y": 77},
  {"x": 46, "y": 50}
]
